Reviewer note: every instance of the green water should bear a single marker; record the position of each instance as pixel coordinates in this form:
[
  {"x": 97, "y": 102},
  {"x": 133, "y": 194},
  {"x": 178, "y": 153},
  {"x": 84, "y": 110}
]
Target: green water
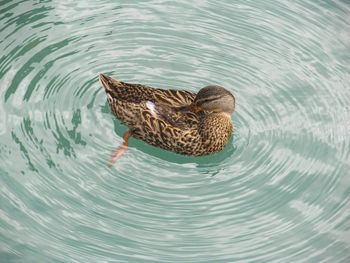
[{"x": 279, "y": 191}]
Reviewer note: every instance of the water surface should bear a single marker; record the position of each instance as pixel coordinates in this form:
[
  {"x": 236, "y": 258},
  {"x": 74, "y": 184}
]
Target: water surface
[{"x": 279, "y": 191}]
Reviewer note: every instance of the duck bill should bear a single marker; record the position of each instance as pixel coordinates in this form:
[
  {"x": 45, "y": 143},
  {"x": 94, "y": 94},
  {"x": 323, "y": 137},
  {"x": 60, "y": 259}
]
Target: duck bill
[
  {"x": 190, "y": 108},
  {"x": 195, "y": 108}
]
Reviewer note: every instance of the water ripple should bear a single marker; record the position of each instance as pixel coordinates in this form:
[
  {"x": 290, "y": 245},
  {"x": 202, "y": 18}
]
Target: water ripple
[{"x": 278, "y": 192}]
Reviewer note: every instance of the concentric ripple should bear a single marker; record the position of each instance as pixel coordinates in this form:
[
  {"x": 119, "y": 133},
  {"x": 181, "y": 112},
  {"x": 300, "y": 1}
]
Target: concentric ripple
[{"x": 280, "y": 190}]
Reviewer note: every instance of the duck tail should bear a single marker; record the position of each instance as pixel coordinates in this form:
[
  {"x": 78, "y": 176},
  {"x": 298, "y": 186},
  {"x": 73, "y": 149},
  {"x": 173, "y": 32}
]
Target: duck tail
[{"x": 107, "y": 82}]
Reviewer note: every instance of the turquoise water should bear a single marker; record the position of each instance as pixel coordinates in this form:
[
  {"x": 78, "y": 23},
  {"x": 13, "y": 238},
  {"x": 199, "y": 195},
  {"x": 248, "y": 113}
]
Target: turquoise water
[{"x": 279, "y": 191}]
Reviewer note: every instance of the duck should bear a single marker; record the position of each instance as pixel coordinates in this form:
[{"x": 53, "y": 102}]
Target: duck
[{"x": 184, "y": 122}]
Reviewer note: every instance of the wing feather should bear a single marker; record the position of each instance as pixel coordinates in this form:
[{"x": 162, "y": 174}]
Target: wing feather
[{"x": 137, "y": 93}]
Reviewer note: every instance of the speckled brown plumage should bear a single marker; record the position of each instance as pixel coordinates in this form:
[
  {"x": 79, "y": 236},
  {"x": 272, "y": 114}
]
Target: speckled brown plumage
[{"x": 167, "y": 119}]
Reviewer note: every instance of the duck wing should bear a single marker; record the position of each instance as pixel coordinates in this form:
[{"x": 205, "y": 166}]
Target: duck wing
[
  {"x": 137, "y": 93},
  {"x": 168, "y": 128},
  {"x": 160, "y": 125},
  {"x": 146, "y": 113},
  {"x": 176, "y": 117}
]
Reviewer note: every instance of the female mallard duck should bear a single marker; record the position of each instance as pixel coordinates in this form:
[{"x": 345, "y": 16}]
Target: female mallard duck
[{"x": 175, "y": 120}]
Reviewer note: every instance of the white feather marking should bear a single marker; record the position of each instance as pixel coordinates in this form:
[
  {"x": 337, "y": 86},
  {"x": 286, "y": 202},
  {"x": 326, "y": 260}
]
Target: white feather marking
[{"x": 152, "y": 107}]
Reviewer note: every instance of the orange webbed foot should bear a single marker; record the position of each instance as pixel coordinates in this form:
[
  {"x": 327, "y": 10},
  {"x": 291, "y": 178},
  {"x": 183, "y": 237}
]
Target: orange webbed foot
[{"x": 121, "y": 149}]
